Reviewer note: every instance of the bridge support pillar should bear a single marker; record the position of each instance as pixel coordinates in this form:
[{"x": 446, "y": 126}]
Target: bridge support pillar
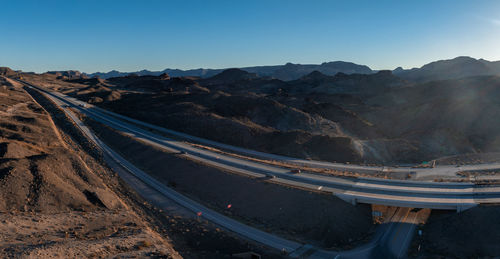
[
  {"x": 464, "y": 207},
  {"x": 347, "y": 198}
]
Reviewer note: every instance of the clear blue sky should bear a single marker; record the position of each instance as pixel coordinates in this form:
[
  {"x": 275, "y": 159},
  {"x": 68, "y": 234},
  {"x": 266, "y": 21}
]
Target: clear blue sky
[{"x": 132, "y": 35}]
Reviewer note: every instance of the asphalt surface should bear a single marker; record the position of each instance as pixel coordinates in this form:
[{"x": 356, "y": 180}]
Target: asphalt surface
[
  {"x": 392, "y": 239},
  {"x": 397, "y": 238}
]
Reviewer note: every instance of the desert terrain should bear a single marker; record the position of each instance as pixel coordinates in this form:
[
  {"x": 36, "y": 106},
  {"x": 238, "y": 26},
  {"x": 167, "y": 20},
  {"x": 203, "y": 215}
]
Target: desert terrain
[
  {"x": 59, "y": 199},
  {"x": 56, "y": 200},
  {"x": 379, "y": 118},
  {"x": 319, "y": 219},
  {"x": 374, "y": 118},
  {"x": 250, "y": 129}
]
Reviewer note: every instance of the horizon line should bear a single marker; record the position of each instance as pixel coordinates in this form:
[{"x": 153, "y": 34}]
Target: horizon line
[{"x": 248, "y": 66}]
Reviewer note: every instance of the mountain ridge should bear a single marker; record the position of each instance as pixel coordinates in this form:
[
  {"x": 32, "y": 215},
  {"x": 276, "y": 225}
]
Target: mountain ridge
[
  {"x": 286, "y": 72},
  {"x": 459, "y": 67}
]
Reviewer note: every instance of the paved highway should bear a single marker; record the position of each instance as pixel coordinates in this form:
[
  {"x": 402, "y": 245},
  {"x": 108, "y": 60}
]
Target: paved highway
[
  {"x": 392, "y": 239},
  {"x": 149, "y": 188},
  {"x": 397, "y": 239},
  {"x": 458, "y": 196}
]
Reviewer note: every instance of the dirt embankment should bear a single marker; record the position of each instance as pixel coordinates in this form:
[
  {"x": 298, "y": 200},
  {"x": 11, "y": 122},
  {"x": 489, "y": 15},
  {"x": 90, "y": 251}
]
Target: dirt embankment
[
  {"x": 55, "y": 199},
  {"x": 309, "y": 217}
]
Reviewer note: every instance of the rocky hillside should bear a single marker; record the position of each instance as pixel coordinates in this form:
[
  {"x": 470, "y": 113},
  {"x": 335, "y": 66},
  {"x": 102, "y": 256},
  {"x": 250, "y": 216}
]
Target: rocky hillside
[
  {"x": 382, "y": 117},
  {"x": 56, "y": 200},
  {"x": 456, "y": 68},
  {"x": 5, "y": 71},
  {"x": 308, "y": 117},
  {"x": 68, "y": 74},
  {"x": 444, "y": 117}
]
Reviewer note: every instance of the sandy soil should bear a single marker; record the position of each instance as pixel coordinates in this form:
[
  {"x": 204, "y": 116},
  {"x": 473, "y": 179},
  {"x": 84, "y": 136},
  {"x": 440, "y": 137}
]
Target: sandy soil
[
  {"x": 80, "y": 234},
  {"x": 52, "y": 201}
]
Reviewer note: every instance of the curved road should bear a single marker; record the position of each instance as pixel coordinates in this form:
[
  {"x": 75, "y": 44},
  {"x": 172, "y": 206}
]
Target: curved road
[{"x": 457, "y": 196}]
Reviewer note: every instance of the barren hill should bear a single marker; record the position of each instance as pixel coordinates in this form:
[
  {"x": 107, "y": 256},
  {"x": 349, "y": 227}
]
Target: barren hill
[
  {"x": 57, "y": 200},
  {"x": 5, "y": 71},
  {"x": 456, "y": 68},
  {"x": 372, "y": 118}
]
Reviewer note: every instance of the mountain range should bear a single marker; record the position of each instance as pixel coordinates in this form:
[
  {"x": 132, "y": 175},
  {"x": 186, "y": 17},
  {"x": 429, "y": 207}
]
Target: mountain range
[
  {"x": 459, "y": 67},
  {"x": 285, "y": 72},
  {"x": 456, "y": 68}
]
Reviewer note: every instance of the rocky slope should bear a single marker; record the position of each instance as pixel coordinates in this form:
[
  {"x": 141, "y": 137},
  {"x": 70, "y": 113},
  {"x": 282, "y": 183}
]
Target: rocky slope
[
  {"x": 297, "y": 118},
  {"x": 372, "y": 118},
  {"x": 456, "y": 68},
  {"x": 5, "y": 71},
  {"x": 470, "y": 234},
  {"x": 55, "y": 199},
  {"x": 444, "y": 117}
]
